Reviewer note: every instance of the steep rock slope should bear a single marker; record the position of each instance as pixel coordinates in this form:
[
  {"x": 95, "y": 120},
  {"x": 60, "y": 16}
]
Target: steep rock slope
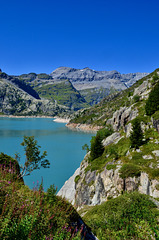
[{"x": 121, "y": 167}]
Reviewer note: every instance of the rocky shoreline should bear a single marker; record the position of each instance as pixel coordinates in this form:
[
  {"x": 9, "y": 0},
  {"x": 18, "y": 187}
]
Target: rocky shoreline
[
  {"x": 61, "y": 120},
  {"x": 83, "y": 127}
]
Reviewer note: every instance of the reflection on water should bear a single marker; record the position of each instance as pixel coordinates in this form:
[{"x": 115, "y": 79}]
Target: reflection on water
[
  {"x": 27, "y": 132},
  {"x": 64, "y": 146}
]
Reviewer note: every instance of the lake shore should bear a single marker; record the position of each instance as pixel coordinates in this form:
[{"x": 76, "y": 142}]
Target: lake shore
[
  {"x": 13, "y": 116},
  {"x": 83, "y": 127},
  {"x": 61, "y": 120}
]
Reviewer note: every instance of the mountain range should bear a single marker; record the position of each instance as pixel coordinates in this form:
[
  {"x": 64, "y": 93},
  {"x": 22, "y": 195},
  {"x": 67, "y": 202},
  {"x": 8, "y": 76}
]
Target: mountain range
[{"x": 65, "y": 89}]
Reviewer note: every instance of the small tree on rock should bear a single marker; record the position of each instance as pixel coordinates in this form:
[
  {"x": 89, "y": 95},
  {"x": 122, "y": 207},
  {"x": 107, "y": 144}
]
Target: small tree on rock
[
  {"x": 33, "y": 158},
  {"x": 97, "y": 147},
  {"x": 136, "y": 137}
]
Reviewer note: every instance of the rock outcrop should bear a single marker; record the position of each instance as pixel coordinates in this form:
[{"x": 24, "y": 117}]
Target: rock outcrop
[
  {"x": 68, "y": 190},
  {"x": 83, "y": 127},
  {"x": 94, "y": 188},
  {"x": 121, "y": 168},
  {"x": 121, "y": 117}
]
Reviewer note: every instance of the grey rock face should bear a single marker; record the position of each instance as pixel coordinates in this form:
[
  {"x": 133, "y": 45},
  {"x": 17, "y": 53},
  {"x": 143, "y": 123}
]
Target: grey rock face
[
  {"x": 68, "y": 190},
  {"x": 156, "y": 153},
  {"x": 87, "y": 78},
  {"x": 99, "y": 187},
  {"x": 112, "y": 138},
  {"x": 121, "y": 117},
  {"x": 141, "y": 89},
  {"x": 156, "y": 124}
]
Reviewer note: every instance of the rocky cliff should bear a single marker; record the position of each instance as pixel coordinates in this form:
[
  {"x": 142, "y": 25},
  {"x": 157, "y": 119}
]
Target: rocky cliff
[{"x": 122, "y": 168}]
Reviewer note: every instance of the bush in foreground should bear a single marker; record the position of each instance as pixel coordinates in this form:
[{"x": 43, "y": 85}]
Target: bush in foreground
[
  {"x": 130, "y": 216},
  {"x": 27, "y": 214}
]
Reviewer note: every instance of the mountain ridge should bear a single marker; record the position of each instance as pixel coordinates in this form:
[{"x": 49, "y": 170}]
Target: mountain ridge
[{"x": 81, "y": 77}]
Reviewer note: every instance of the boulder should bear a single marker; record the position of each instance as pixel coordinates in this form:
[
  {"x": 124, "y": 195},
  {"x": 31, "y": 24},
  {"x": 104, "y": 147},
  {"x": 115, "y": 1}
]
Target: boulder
[{"x": 112, "y": 138}]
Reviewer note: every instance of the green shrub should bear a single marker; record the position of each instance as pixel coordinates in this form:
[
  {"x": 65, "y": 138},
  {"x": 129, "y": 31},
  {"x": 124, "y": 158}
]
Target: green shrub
[
  {"x": 129, "y": 170},
  {"x": 154, "y": 78},
  {"x": 129, "y": 216},
  {"x": 51, "y": 194},
  {"x": 105, "y": 132},
  {"x": 77, "y": 178},
  {"x": 136, "y": 98},
  {"x": 110, "y": 166},
  {"x": 86, "y": 147}
]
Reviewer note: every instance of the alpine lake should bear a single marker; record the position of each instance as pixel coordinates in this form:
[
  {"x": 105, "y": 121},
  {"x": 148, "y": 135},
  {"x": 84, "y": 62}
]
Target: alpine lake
[{"x": 63, "y": 146}]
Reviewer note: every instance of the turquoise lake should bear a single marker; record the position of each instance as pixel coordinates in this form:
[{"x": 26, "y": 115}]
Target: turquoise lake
[{"x": 63, "y": 146}]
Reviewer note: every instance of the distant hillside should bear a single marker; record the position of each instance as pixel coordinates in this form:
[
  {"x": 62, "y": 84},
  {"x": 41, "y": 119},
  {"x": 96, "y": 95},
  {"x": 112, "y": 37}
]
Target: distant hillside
[
  {"x": 95, "y": 85},
  {"x": 19, "y": 84},
  {"x": 104, "y": 110},
  {"x": 61, "y": 91},
  {"x": 18, "y": 98}
]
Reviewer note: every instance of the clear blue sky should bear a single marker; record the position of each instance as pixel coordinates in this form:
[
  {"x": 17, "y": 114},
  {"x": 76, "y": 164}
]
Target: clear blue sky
[{"x": 41, "y": 35}]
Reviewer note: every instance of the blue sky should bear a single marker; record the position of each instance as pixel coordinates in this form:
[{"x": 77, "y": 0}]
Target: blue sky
[{"x": 41, "y": 35}]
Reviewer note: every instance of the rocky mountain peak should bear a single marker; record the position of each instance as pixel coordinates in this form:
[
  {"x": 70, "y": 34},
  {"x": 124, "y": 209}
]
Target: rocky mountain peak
[{"x": 87, "y": 78}]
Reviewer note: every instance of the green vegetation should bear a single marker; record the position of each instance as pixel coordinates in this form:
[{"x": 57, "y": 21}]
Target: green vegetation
[
  {"x": 33, "y": 159},
  {"x": 86, "y": 147},
  {"x": 63, "y": 92},
  {"x": 44, "y": 76},
  {"x": 130, "y": 216},
  {"x": 100, "y": 113},
  {"x": 136, "y": 98},
  {"x": 33, "y": 214},
  {"x": 156, "y": 115},
  {"x": 130, "y": 170},
  {"x": 136, "y": 137},
  {"x": 110, "y": 166},
  {"x": 94, "y": 95},
  {"x": 155, "y": 78},
  {"x": 97, "y": 148},
  {"x": 77, "y": 178},
  {"x": 152, "y": 104}
]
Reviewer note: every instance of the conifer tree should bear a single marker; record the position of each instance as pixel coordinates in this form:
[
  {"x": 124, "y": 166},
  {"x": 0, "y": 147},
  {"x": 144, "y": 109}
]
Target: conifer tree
[
  {"x": 136, "y": 136},
  {"x": 97, "y": 148}
]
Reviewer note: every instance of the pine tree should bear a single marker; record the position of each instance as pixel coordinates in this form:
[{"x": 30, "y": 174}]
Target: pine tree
[
  {"x": 152, "y": 104},
  {"x": 136, "y": 136},
  {"x": 97, "y": 148}
]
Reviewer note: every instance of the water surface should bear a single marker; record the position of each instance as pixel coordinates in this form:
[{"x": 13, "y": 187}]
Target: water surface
[{"x": 64, "y": 147}]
